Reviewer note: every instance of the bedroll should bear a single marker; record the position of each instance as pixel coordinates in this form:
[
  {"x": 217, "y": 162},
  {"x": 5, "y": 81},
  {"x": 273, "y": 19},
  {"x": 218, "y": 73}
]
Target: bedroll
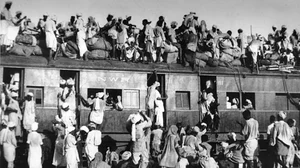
[{"x": 98, "y": 43}]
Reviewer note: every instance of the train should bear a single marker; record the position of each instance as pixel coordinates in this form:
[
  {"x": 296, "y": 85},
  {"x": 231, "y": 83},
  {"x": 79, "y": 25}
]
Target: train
[{"x": 269, "y": 91}]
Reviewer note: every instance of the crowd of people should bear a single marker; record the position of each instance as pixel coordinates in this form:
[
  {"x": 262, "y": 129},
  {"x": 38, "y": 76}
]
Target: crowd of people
[
  {"x": 152, "y": 143},
  {"x": 190, "y": 43}
]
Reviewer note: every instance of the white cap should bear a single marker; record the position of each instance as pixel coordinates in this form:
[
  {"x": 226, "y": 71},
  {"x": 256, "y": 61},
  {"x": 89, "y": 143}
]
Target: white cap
[
  {"x": 100, "y": 94},
  {"x": 34, "y": 126},
  {"x": 84, "y": 128},
  {"x": 64, "y": 105},
  {"x": 30, "y": 94},
  {"x": 71, "y": 128},
  {"x": 11, "y": 124}
]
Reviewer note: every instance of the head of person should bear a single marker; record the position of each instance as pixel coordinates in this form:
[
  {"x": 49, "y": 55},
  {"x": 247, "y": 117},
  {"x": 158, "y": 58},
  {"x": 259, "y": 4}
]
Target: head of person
[
  {"x": 92, "y": 126},
  {"x": 126, "y": 155},
  {"x": 34, "y": 126},
  {"x": 161, "y": 18},
  {"x": 78, "y": 15},
  {"x": 272, "y": 119},
  {"x": 214, "y": 28},
  {"x": 283, "y": 28},
  {"x": 18, "y": 14},
  {"x": 8, "y": 4},
  {"x": 11, "y": 125},
  {"x": 231, "y": 137},
  {"x": 145, "y": 22},
  {"x": 174, "y": 24},
  {"x": 240, "y": 30},
  {"x": 70, "y": 83},
  {"x": 109, "y": 17},
  {"x": 62, "y": 83},
  {"x": 65, "y": 107},
  {"x": 247, "y": 114},
  {"x": 281, "y": 115},
  {"x": 29, "y": 96},
  {"x": 229, "y": 32},
  {"x": 160, "y": 23},
  {"x": 45, "y": 16},
  {"x": 84, "y": 130},
  {"x": 173, "y": 130},
  {"x": 290, "y": 122},
  {"x": 274, "y": 28},
  {"x": 72, "y": 130},
  {"x": 4, "y": 123},
  {"x": 208, "y": 84},
  {"x": 72, "y": 19}
]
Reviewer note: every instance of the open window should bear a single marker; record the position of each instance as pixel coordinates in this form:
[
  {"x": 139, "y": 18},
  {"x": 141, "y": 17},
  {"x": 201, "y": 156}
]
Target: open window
[
  {"x": 38, "y": 95},
  {"x": 68, "y": 75},
  {"x": 14, "y": 78},
  {"x": 285, "y": 102},
  {"x": 248, "y": 100},
  {"x": 208, "y": 85},
  {"x": 232, "y": 100},
  {"x": 113, "y": 96},
  {"x": 91, "y": 92},
  {"x": 182, "y": 100}
]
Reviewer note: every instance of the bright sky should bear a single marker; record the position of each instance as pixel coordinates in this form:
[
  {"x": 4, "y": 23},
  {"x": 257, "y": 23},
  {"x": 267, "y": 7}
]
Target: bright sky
[{"x": 226, "y": 14}]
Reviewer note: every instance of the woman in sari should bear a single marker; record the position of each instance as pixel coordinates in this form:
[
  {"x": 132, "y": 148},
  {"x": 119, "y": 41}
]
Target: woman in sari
[{"x": 169, "y": 156}]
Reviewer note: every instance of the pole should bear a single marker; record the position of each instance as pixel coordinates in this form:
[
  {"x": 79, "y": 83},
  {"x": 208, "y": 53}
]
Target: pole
[
  {"x": 251, "y": 30},
  {"x": 199, "y": 95}
]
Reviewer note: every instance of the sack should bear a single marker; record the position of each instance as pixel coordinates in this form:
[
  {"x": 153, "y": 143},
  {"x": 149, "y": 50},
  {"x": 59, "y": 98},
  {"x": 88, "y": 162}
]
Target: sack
[
  {"x": 212, "y": 63},
  {"x": 200, "y": 63},
  {"x": 21, "y": 50},
  {"x": 236, "y": 62},
  {"x": 169, "y": 48},
  {"x": 100, "y": 44},
  {"x": 171, "y": 57},
  {"x": 72, "y": 47},
  {"x": 98, "y": 55},
  {"x": 202, "y": 56},
  {"x": 26, "y": 39},
  {"x": 37, "y": 50}
]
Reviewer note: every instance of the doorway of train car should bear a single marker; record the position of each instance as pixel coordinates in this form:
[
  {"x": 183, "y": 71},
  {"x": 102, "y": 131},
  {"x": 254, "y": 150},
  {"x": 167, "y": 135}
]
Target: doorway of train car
[
  {"x": 71, "y": 89},
  {"x": 161, "y": 78},
  {"x": 14, "y": 79},
  {"x": 208, "y": 84}
]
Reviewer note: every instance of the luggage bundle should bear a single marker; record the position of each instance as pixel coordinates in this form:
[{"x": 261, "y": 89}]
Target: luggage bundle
[{"x": 99, "y": 48}]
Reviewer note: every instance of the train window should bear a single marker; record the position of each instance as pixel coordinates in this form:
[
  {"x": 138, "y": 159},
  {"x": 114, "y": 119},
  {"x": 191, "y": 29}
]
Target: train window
[
  {"x": 208, "y": 84},
  {"x": 248, "y": 100},
  {"x": 233, "y": 100},
  {"x": 14, "y": 78},
  {"x": 182, "y": 100},
  {"x": 113, "y": 96},
  {"x": 91, "y": 92},
  {"x": 131, "y": 98},
  {"x": 38, "y": 93}
]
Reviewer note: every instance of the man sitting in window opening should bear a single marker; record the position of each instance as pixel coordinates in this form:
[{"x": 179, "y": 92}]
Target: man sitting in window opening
[
  {"x": 97, "y": 105},
  {"x": 62, "y": 86},
  {"x": 228, "y": 103},
  {"x": 14, "y": 83}
]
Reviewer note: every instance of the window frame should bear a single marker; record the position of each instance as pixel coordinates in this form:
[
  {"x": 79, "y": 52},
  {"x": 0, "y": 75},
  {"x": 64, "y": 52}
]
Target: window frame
[
  {"x": 35, "y": 88},
  {"x": 181, "y": 93}
]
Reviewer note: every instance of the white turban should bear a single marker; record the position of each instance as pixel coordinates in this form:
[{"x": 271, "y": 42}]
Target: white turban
[
  {"x": 282, "y": 114},
  {"x": 34, "y": 126},
  {"x": 134, "y": 118}
]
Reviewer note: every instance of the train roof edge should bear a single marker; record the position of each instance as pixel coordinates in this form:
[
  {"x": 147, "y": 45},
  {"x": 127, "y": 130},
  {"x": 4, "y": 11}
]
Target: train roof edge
[{"x": 72, "y": 64}]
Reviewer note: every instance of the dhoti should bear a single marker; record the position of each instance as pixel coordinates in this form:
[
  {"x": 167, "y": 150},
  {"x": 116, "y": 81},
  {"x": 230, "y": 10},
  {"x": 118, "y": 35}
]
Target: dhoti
[
  {"x": 80, "y": 39},
  {"x": 250, "y": 149},
  {"x": 51, "y": 41}
]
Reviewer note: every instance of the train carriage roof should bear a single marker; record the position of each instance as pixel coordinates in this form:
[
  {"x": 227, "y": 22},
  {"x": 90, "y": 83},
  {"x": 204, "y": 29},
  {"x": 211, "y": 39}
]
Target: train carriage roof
[{"x": 66, "y": 63}]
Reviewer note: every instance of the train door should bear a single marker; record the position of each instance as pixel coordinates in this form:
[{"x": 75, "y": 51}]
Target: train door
[
  {"x": 208, "y": 94},
  {"x": 14, "y": 79},
  {"x": 151, "y": 78},
  {"x": 73, "y": 78}
]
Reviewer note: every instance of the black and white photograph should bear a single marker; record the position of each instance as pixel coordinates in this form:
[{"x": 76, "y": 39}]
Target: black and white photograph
[{"x": 149, "y": 84}]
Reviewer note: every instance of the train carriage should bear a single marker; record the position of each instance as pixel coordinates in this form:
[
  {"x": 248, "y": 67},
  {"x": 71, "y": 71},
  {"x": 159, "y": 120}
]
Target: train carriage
[{"x": 269, "y": 92}]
